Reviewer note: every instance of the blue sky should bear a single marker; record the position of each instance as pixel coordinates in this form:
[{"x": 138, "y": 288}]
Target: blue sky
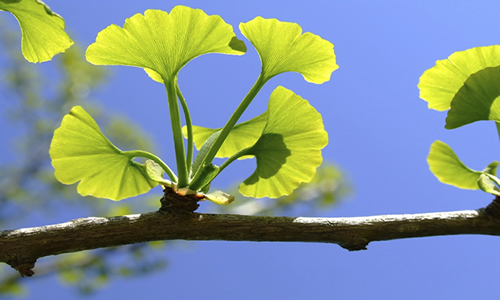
[{"x": 379, "y": 130}]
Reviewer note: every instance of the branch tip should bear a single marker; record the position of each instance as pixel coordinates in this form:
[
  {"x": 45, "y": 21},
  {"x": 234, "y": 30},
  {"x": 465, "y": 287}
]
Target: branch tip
[{"x": 24, "y": 268}]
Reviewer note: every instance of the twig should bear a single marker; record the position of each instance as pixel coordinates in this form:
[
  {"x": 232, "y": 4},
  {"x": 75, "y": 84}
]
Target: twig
[{"x": 22, "y": 247}]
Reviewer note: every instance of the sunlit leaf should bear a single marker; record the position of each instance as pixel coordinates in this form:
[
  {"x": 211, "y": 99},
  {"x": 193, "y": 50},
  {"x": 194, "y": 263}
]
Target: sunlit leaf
[
  {"x": 242, "y": 135},
  {"x": 163, "y": 43},
  {"x": 289, "y": 150},
  {"x": 439, "y": 84},
  {"x": 283, "y": 48},
  {"x": 448, "y": 168},
  {"x": 80, "y": 152},
  {"x": 155, "y": 173},
  {"x": 486, "y": 183},
  {"x": 43, "y": 34},
  {"x": 491, "y": 168},
  {"x": 477, "y": 99},
  {"x": 220, "y": 197}
]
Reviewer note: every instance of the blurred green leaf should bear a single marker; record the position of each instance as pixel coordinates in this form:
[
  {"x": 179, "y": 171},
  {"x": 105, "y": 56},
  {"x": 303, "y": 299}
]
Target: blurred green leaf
[
  {"x": 283, "y": 48},
  {"x": 43, "y": 30}
]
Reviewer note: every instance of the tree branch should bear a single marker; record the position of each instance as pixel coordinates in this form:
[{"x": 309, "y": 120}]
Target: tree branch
[{"x": 22, "y": 247}]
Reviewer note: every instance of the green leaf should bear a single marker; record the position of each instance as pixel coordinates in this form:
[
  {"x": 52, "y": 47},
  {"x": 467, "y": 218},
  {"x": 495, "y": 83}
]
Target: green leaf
[
  {"x": 43, "y": 34},
  {"x": 486, "y": 183},
  {"x": 289, "y": 150},
  {"x": 448, "y": 168},
  {"x": 80, "y": 152},
  {"x": 242, "y": 135},
  {"x": 491, "y": 168},
  {"x": 439, "y": 84},
  {"x": 155, "y": 173},
  {"x": 163, "y": 43},
  {"x": 283, "y": 48},
  {"x": 220, "y": 197},
  {"x": 476, "y": 100}
]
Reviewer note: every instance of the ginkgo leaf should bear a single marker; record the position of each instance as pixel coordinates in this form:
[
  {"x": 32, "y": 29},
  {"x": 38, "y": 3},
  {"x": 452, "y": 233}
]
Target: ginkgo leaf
[
  {"x": 488, "y": 183},
  {"x": 163, "y": 43},
  {"x": 491, "y": 169},
  {"x": 243, "y": 135},
  {"x": 80, "y": 152},
  {"x": 448, "y": 168},
  {"x": 289, "y": 150},
  {"x": 43, "y": 34},
  {"x": 476, "y": 100},
  {"x": 283, "y": 48},
  {"x": 220, "y": 197},
  {"x": 439, "y": 84},
  {"x": 155, "y": 173}
]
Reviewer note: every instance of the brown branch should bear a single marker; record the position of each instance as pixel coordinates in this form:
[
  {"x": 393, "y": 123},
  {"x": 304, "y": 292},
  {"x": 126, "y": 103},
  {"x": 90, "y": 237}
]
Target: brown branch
[{"x": 22, "y": 247}]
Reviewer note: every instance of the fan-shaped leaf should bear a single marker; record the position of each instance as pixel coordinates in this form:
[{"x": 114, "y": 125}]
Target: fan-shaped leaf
[
  {"x": 477, "y": 99},
  {"x": 439, "y": 85},
  {"x": 448, "y": 168},
  {"x": 80, "y": 152},
  {"x": 155, "y": 173},
  {"x": 43, "y": 34},
  {"x": 163, "y": 43},
  {"x": 491, "y": 169},
  {"x": 220, "y": 197},
  {"x": 283, "y": 48},
  {"x": 289, "y": 150}
]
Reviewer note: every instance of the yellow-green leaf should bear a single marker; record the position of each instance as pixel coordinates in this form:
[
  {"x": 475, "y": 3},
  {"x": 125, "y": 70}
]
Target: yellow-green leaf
[
  {"x": 80, "y": 152},
  {"x": 43, "y": 34},
  {"x": 448, "y": 168},
  {"x": 289, "y": 150},
  {"x": 155, "y": 173},
  {"x": 283, "y": 48},
  {"x": 439, "y": 84},
  {"x": 477, "y": 100},
  {"x": 220, "y": 197},
  {"x": 486, "y": 183},
  {"x": 163, "y": 43}
]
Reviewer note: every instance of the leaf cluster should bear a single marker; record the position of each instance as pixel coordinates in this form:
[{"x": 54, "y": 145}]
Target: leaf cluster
[
  {"x": 28, "y": 184},
  {"x": 465, "y": 84},
  {"x": 286, "y": 140}
]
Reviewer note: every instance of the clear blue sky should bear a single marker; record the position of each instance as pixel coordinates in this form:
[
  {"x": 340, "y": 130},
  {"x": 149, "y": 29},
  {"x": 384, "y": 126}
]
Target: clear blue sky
[{"x": 380, "y": 133}]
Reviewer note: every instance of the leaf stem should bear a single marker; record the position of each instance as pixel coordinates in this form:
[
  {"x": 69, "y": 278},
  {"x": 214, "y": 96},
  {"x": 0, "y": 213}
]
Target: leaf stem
[
  {"x": 234, "y": 157},
  {"x": 189, "y": 126},
  {"x": 173, "y": 107},
  {"x": 230, "y": 123},
  {"x": 156, "y": 159}
]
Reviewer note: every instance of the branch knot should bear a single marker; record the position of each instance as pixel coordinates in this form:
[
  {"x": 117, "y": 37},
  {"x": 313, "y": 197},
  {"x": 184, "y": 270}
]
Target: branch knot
[{"x": 175, "y": 204}]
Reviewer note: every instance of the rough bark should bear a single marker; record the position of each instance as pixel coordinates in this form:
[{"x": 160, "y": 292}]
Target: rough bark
[{"x": 22, "y": 247}]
